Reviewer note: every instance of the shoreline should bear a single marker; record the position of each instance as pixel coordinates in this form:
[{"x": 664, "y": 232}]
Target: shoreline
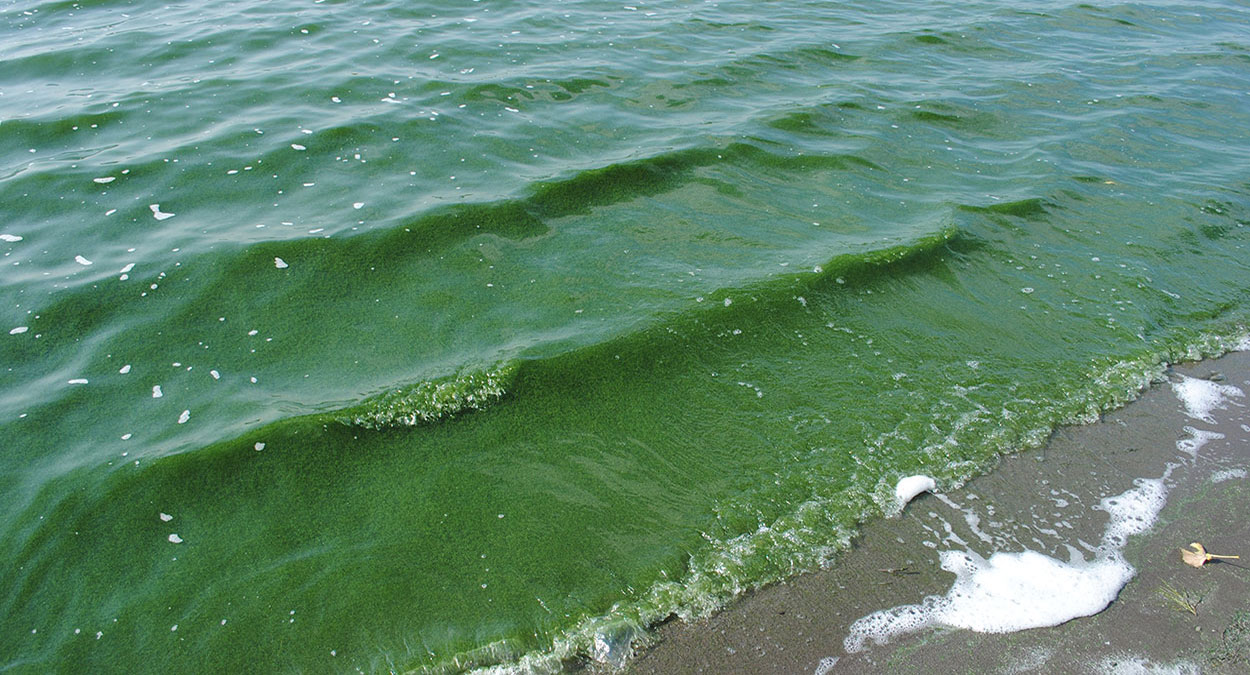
[{"x": 1168, "y": 615}]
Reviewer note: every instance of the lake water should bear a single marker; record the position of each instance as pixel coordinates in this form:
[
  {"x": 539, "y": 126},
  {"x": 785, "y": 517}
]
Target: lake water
[{"x": 406, "y": 336}]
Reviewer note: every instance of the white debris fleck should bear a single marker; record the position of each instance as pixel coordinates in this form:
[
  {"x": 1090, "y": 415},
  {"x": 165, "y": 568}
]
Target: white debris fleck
[
  {"x": 82, "y": 261},
  {"x": 280, "y": 263},
  {"x": 175, "y": 539},
  {"x": 19, "y": 330},
  {"x": 127, "y": 268},
  {"x": 358, "y": 205},
  {"x": 216, "y": 375},
  {"x": 259, "y": 446},
  {"x": 105, "y": 179},
  {"x": 297, "y": 146},
  {"x": 186, "y": 415},
  {"x": 10, "y": 238},
  {"x": 157, "y": 213},
  {"x": 78, "y": 380},
  {"x": 166, "y": 517},
  {"x": 156, "y": 391}
]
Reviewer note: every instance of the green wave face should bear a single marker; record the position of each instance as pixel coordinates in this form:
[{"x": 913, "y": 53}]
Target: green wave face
[{"x": 466, "y": 346}]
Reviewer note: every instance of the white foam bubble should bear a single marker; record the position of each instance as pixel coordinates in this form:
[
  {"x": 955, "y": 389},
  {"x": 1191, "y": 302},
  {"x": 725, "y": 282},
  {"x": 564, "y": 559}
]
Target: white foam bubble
[
  {"x": 259, "y": 446},
  {"x": 82, "y": 261},
  {"x": 1197, "y": 439},
  {"x": 297, "y": 146},
  {"x": 908, "y": 488},
  {"x": 1124, "y": 664},
  {"x": 78, "y": 380},
  {"x": 105, "y": 179},
  {"x": 358, "y": 205},
  {"x": 186, "y": 415},
  {"x": 156, "y": 391},
  {"x": 1227, "y": 474},
  {"x": 19, "y": 330},
  {"x": 14, "y": 238},
  {"x": 124, "y": 369},
  {"x": 1201, "y": 397},
  {"x": 1015, "y": 591},
  {"x": 280, "y": 263},
  {"x": 175, "y": 539},
  {"x": 166, "y": 517}
]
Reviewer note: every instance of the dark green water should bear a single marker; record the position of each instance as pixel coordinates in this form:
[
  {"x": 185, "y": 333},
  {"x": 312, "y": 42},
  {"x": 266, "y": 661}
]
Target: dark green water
[{"x": 490, "y": 335}]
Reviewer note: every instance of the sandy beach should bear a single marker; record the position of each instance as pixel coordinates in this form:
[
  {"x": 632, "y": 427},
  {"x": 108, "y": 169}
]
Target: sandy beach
[{"x": 1169, "y": 617}]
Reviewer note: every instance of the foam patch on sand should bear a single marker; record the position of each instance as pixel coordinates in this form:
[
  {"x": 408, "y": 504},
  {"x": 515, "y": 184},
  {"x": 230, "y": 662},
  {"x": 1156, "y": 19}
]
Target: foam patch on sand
[
  {"x": 1201, "y": 397},
  {"x": 1133, "y": 665},
  {"x": 1009, "y": 592},
  {"x": 909, "y": 488}
]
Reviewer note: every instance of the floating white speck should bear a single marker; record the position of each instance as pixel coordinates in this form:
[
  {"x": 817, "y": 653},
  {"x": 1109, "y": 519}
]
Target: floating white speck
[
  {"x": 336, "y": 99},
  {"x": 127, "y": 268},
  {"x": 126, "y": 437},
  {"x": 174, "y": 628},
  {"x": 156, "y": 391},
  {"x": 186, "y": 415},
  {"x": 259, "y": 446},
  {"x": 175, "y": 539},
  {"x": 78, "y": 380},
  {"x": 1026, "y": 290},
  {"x": 216, "y": 375},
  {"x": 157, "y": 213},
  {"x": 728, "y": 302},
  {"x": 166, "y": 517},
  {"x": 82, "y": 261},
  {"x": 105, "y": 179},
  {"x": 280, "y": 263},
  {"x": 297, "y": 146},
  {"x": 358, "y": 205},
  {"x": 10, "y": 238},
  {"x": 19, "y": 330}
]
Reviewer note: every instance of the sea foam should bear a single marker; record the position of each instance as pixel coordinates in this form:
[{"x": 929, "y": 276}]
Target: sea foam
[{"x": 1014, "y": 591}]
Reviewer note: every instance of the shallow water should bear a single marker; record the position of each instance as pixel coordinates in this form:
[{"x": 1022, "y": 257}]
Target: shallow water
[{"x": 490, "y": 335}]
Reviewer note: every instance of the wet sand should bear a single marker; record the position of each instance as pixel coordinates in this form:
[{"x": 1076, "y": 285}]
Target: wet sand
[{"x": 1170, "y": 616}]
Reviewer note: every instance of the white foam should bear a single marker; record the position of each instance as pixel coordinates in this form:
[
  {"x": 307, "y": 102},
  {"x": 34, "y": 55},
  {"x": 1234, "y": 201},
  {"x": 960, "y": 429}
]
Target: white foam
[
  {"x": 1123, "y": 664},
  {"x": 280, "y": 263},
  {"x": 1015, "y": 591},
  {"x": 13, "y": 237},
  {"x": 105, "y": 179},
  {"x": 82, "y": 261},
  {"x": 175, "y": 539},
  {"x": 19, "y": 330},
  {"x": 908, "y": 488},
  {"x": 1201, "y": 397},
  {"x": 78, "y": 380},
  {"x": 156, "y": 391},
  {"x": 1243, "y": 346},
  {"x": 186, "y": 415},
  {"x": 166, "y": 517},
  {"x": 124, "y": 369},
  {"x": 259, "y": 446},
  {"x": 1197, "y": 439},
  {"x": 1227, "y": 474}
]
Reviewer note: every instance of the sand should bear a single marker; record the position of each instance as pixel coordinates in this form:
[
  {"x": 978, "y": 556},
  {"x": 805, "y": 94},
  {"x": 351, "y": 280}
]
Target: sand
[{"x": 1170, "y": 617}]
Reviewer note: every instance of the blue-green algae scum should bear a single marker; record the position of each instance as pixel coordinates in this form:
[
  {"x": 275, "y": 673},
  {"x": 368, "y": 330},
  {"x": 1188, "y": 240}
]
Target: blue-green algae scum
[{"x": 424, "y": 336}]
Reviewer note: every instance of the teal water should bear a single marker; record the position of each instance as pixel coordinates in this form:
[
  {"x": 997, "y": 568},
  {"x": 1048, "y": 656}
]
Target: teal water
[{"x": 490, "y": 335}]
